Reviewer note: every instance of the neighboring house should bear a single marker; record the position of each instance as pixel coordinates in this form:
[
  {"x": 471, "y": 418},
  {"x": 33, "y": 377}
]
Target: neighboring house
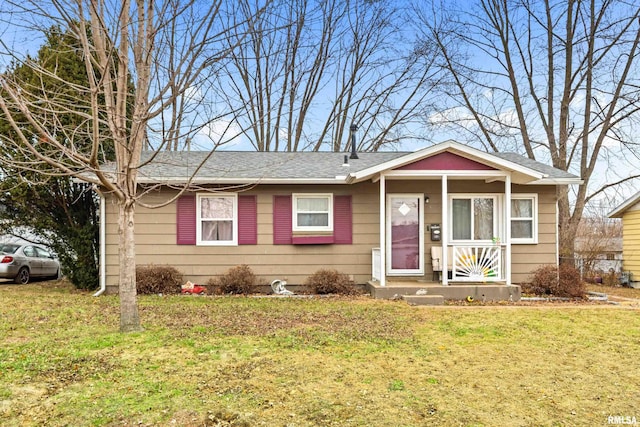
[
  {"x": 599, "y": 253},
  {"x": 629, "y": 211},
  {"x": 375, "y": 218}
]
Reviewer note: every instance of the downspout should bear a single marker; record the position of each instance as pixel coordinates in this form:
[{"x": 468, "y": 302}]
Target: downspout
[
  {"x": 103, "y": 233},
  {"x": 507, "y": 228}
]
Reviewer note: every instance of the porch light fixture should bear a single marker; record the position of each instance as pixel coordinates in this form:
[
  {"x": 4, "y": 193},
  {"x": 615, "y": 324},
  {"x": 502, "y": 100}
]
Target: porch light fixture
[{"x": 426, "y": 199}]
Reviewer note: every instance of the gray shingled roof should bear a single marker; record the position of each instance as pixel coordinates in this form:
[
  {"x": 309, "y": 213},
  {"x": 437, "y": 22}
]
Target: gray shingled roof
[
  {"x": 552, "y": 172},
  {"x": 251, "y": 165},
  {"x": 318, "y": 166},
  {"x": 603, "y": 244}
]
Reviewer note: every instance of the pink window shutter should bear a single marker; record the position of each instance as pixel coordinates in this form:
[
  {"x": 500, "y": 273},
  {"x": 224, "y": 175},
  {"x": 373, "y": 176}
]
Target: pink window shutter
[
  {"x": 247, "y": 220},
  {"x": 186, "y": 220},
  {"x": 342, "y": 220},
  {"x": 282, "y": 220}
]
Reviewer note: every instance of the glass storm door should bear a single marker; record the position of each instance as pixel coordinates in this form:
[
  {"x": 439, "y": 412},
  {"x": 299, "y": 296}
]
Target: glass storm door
[{"x": 405, "y": 234}]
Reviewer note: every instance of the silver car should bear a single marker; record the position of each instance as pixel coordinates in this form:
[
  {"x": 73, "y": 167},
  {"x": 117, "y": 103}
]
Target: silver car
[{"x": 22, "y": 262}]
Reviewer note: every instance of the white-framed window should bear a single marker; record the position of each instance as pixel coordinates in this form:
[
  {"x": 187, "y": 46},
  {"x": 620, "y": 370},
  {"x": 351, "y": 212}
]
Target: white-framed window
[
  {"x": 524, "y": 218},
  {"x": 473, "y": 218},
  {"x": 312, "y": 212},
  {"x": 217, "y": 219}
]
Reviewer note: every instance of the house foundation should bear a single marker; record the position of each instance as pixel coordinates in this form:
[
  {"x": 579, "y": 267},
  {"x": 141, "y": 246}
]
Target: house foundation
[{"x": 428, "y": 293}]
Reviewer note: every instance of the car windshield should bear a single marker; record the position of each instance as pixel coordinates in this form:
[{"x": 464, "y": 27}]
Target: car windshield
[{"x": 9, "y": 249}]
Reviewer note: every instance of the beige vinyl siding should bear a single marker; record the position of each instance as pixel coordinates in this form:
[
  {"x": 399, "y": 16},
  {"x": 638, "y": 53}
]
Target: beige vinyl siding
[
  {"x": 631, "y": 242},
  {"x": 156, "y": 240},
  {"x": 527, "y": 257},
  {"x": 156, "y": 234}
]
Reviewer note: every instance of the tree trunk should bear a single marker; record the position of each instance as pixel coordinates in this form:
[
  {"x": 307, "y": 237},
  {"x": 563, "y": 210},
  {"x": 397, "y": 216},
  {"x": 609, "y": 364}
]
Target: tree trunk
[
  {"x": 129, "y": 318},
  {"x": 567, "y": 227}
]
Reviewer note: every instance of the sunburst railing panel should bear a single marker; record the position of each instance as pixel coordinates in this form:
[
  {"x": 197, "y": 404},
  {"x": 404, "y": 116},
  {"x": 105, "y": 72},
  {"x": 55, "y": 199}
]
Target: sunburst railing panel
[{"x": 477, "y": 263}]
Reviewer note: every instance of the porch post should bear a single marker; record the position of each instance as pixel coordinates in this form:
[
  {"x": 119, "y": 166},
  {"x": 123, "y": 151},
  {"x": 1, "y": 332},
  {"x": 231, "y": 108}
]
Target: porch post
[
  {"x": 507, "y": 231},
  {"x": 383, "y": 230},
  {"x": 444, "y": 232}
]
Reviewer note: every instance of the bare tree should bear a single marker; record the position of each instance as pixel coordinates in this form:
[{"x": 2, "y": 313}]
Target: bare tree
[
  {"x": 597, "y": 236},
  {"x": 555, "y": 80},
  {"x": 148, "y": 64},
  {"x": 309, "y": 69}
]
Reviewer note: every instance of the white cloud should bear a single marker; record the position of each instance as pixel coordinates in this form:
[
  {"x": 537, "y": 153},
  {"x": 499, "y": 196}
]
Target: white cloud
[
  {"x": 219, "y": 134},
  {"x": 456, "y": 114},
  {"x": 193, "y": 94}
]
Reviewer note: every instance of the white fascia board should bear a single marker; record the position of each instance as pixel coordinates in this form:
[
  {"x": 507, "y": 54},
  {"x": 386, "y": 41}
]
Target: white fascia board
[
  {"x": 620, "y": 209},
  {"x": 556, "y": 181},
  {"x": 202, "y": 181},
  {"x": 449, "y": 173},
  {"x": 456, "y": 148}
]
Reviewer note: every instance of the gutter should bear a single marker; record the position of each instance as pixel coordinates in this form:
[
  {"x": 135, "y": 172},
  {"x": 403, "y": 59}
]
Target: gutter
[
  {"x": 103, "y": 233},
  {"x": 338, "y": 179},
  {"x": 557, "y": 181}
]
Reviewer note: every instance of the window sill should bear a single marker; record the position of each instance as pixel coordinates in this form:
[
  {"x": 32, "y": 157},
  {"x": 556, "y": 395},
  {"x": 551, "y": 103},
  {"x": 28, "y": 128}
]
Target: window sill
[{"x": 312, "y": 240}]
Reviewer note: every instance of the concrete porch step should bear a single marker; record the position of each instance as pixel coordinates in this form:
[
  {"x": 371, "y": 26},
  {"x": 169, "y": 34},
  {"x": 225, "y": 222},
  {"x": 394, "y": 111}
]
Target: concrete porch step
[
  {"x": 478, "y": 291},
  {"x": 424, "y": 299}
]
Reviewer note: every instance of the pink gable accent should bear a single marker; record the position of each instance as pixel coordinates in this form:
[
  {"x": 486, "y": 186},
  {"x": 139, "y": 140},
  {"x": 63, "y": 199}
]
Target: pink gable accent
[
  {"x": 247, "y": 220},
  {"x": 445, "y": 161},
  {"x": 186, "y": 220},
  {"x": 282, "y": 220},
  {"x": 342, "y": 220}
]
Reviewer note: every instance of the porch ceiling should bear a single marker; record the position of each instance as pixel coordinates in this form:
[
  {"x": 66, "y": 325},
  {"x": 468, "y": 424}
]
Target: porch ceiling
[{"x": 488, "y": 177}]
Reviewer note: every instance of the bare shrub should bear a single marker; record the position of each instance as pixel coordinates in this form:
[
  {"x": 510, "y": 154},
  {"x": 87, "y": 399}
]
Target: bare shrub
[
  {"x": 540, "y": 279},
  {"x": 329, "y": 281},
  {"x": 237, "y": 280},
  {"x": 611, "y": 279},
  {"x": 158, "y": 279},
  {"x": 570, "y": 284},
  {"x": 560, "y": 282}
]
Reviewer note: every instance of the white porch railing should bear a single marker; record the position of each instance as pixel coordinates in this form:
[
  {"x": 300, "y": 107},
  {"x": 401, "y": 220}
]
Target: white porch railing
[
  {"x": 468, "y": 263},
  {"x": 477, "y": 263},
  {"x": 375, "y": 264}
]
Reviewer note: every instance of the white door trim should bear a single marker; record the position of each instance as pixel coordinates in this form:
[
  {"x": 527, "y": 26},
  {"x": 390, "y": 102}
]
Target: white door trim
[{"x": 419, "y": 271}]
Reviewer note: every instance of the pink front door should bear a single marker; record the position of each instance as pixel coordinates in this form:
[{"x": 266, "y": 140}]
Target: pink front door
[{"x": 405, "y": 232}]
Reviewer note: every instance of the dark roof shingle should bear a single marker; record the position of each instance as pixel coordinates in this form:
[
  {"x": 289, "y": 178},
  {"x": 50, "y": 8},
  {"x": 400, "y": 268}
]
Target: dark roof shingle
[{"x": 253, "y": 165}]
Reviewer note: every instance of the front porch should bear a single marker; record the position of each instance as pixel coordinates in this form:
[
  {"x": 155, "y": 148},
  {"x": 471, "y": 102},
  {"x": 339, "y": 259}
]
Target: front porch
[
  {"x": 421, "y": 292},
  {"x": 459, "y": 223}
]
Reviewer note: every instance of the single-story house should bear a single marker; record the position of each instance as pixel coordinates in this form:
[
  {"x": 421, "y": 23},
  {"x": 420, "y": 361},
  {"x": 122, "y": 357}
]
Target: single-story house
[
  {"x": 599, "y": 253},
  {"x": 629, "y": 211},
  {"x": 383, "y": 218}
]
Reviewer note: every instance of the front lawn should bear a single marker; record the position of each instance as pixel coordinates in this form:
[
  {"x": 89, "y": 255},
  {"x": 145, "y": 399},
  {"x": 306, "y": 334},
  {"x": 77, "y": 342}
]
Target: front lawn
[{"x": 233, "y": 361}]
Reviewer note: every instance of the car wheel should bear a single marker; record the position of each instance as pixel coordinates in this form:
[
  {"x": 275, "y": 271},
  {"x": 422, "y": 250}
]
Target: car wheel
[{"x": 23, "y": 276}]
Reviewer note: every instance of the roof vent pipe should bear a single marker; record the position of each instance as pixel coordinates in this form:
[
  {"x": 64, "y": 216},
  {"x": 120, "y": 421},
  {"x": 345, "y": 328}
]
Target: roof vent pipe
[{"x": 354, "y": 154}]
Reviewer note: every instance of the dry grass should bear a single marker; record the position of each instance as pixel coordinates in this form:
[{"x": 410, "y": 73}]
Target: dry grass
[
  {"x": 310, "y": 362},
  {"x": 618, "y": 291}
]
